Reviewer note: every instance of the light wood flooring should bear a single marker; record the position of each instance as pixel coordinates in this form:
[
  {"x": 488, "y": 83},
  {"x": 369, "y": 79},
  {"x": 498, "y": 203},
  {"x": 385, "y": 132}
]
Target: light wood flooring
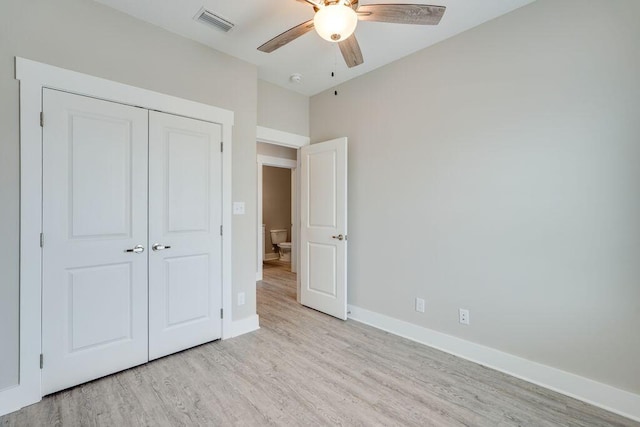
[{"x": 305, "y": 368}]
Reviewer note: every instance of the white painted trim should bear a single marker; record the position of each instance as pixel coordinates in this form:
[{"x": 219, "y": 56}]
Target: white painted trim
[
  {"x": 35, "y": 76},
  {"x": 271, "y": 257},
  {"x": 28, "y": 389},
  {"x": 260, "y": 251},
  {"x": 294, "y": 219},
  {"x": 227, "y": 236},
  {"x": 84, "y": 84},
  {"x": 298, "y": 225},
  {"x": 278, "y": 137},
  {"x": 279, "y": 162},
  {"x": 601, "y": 395},
  {"x": 246, "y": 325}
]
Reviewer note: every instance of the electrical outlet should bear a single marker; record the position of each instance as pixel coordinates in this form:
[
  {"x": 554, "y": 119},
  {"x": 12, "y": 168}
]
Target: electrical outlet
[
  {"x": 240, "y": 298},
  {"x": 420, "y": 305},
  {"x": 463, "y": 315}
]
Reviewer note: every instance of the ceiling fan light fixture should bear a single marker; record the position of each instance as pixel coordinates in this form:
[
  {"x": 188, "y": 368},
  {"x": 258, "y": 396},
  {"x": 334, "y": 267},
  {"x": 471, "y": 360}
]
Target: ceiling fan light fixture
[{"x": 335, "y": 22}]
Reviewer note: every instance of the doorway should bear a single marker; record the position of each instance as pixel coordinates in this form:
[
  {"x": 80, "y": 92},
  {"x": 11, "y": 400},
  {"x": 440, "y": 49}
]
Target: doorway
[
  {"x": 277, "y": 218},
  {"x": 277, "y": 195},
  {"x": 319, "y": 232}
]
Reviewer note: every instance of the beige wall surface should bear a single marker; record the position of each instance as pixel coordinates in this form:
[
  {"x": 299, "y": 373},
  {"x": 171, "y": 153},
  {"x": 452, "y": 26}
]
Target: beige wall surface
[
  {"x": 276, "y": 202},
  {"x": 273, "y": 150},
  {"x": 498, "y": 171},
  {"x": 282, "y": 109},
  {"x": 84, "y": 36}
]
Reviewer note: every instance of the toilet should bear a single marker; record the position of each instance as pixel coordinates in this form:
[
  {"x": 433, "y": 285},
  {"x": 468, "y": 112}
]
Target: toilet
[
  {"x": 285, "y": 251},
  {"x": 278, "y": 238}
]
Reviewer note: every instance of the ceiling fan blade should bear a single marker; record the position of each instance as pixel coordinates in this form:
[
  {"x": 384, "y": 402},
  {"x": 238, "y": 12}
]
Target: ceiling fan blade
[
  {"x": 316, "y": 4},
  {"x": 284, "y": 38},
  {"x": 418, "y": 14},
  {"x": 351, "y": 51}
]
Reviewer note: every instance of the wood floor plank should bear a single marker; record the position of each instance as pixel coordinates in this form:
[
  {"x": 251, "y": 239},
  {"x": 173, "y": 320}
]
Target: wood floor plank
[{"x": 306, "y": 368}]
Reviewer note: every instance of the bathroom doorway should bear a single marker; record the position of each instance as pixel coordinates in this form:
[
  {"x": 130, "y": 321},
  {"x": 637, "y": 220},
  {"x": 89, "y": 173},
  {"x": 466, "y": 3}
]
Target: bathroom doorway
[{"x": 277, "y": 168}]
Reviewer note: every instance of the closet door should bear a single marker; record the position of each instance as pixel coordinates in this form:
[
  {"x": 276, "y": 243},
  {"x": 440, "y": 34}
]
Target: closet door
[
  {"x": 185, "y": 216},
  {"x": 94, "y": 285}
]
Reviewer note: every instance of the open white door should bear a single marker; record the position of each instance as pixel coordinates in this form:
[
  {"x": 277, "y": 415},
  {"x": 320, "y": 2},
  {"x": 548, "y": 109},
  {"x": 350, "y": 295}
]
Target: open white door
[{"x": 323, "y": 231}]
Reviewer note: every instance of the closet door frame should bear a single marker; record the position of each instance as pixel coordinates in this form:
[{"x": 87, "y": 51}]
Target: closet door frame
[{"x": 34, "y": 77}]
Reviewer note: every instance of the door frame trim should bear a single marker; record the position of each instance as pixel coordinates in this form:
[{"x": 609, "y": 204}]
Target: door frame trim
[
  {"x": 33, "y": 77},
  {"x": 278, "y": 137}
]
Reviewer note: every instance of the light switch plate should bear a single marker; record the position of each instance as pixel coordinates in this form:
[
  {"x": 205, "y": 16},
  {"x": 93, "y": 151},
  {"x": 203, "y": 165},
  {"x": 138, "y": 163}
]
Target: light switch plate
[{"x": 238, "y": 208}]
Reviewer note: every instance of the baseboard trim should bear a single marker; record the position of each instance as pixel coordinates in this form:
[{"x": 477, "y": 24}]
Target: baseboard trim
[
  {"x": 271, "y": 256},
  {"x": 598, "y": 394},
  {"x": 16, "y": 397},
  {"x": 244, "y": 326}
]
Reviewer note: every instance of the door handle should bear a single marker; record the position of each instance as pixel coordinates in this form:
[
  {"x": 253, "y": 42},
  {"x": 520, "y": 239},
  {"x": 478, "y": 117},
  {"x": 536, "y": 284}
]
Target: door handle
[
  {"x": 339, "y": 237},
  {"x": 138, "y": 249},
  {"x": 159, "y": 247}
]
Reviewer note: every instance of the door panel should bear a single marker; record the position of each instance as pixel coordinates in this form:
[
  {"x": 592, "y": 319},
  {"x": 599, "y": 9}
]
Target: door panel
[
  {"x": 188, "y": 162},
  {"x": 100, "y": 151},
  {"x": 323, "y": 263},
  {"x": 187, "y": 303},
  {"x": 322, "y": 187},
  {"x": 322, "y": 269},
  {"x": 100, "y": 305},
  {"x": 94, "y": 311},
  {"x": 185, "y": 202}
]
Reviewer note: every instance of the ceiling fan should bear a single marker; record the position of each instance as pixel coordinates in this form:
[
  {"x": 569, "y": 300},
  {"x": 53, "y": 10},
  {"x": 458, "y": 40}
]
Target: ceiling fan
[{"x": 336, "y": 20}]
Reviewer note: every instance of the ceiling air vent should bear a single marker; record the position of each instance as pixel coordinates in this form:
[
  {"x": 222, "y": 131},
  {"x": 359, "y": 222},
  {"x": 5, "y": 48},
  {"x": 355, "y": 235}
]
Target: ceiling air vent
[{"x": 210, "y": 18}]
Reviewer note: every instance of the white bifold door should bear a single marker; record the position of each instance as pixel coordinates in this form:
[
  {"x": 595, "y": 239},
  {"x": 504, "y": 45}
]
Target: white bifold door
[
  {"x": 131, "y": 248},
  {"x": 185, "y": 262},
  {"x": 94, "y": 294},
  {"x": 323, "y": 230}
]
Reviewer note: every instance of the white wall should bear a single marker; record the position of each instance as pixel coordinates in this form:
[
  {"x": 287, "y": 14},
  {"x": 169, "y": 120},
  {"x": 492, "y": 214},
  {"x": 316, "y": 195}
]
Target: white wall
[
  {"x": 498, "y": 171},
  {"x": 282, "y": 109},
  {"x": 85, "y": 36}
]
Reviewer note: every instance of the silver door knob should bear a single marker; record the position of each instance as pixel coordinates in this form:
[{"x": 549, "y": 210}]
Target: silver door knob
[
  {"x": 339, "y": 237},
  {"x": 159, "y": 247},
  {"x": 138, "y": 249}
]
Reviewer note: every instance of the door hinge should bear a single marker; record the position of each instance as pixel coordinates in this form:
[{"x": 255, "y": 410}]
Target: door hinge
[
  {"x": 42, "y": 240},
  {"x": 41, "y": 360},
  {"x": 41, "y": 119},
  {"x": 221, "y": 146},
  {"x": 221, "y": 230},
  {"x": 222, "y": 313}
]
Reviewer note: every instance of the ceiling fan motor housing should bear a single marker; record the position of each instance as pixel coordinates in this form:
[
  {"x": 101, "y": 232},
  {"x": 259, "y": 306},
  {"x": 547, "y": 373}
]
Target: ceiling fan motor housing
[{"x": 335, "y": 22}]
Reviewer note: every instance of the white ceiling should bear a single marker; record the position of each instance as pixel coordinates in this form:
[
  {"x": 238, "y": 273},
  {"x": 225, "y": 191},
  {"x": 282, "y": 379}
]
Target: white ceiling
[{"x": 257, "y": 21}]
